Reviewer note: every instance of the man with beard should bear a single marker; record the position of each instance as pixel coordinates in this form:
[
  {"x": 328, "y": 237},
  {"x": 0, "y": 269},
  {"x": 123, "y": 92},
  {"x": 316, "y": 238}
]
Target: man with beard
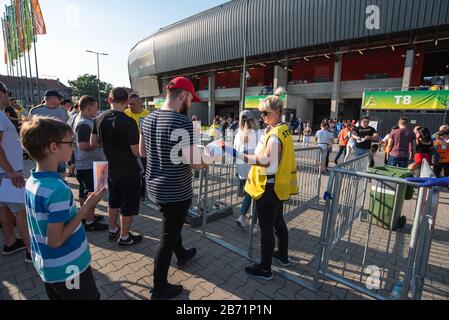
[{"x": 169, "y": 182}]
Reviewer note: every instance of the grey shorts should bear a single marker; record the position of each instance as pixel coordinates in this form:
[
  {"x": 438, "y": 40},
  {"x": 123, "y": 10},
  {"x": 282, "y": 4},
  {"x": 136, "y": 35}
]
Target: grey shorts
[{"x": 14, "y": 207}]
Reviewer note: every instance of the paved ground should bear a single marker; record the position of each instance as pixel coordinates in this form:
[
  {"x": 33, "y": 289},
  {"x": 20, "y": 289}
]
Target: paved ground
[{"x": 218, "y": 273}]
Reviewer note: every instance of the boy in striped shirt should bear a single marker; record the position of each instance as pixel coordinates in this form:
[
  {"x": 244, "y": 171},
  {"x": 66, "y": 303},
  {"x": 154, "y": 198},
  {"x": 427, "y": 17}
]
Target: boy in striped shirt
[{"x": 59, "y": 246}]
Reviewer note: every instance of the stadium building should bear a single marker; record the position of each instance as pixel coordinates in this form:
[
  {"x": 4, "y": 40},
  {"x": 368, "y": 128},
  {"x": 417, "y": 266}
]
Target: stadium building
[{"x": 327, "y": 53}]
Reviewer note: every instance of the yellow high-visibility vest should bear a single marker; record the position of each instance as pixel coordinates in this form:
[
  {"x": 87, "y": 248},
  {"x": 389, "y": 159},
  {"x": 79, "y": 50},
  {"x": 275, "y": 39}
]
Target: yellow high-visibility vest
[{"x": 286, "y": 179}]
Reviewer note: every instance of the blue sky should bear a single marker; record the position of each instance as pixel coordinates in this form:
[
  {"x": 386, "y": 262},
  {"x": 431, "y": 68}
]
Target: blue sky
[{"x": 112, "y": 26}]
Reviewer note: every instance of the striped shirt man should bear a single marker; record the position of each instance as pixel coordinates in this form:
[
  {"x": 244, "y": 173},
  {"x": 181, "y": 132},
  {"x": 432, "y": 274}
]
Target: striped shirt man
[
  {"x": 167, "y": 182},
  {"x": 49, "y": 200}
]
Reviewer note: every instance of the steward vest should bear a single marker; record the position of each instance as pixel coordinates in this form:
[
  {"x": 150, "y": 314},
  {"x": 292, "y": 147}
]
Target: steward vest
[{"x": 286, "y": 179}]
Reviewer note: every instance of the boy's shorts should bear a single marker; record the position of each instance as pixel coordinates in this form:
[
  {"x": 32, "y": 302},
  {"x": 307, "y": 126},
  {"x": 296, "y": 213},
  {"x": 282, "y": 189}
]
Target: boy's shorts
[
  {"x": 14, "y": 207},
  {"x": 87, "y": 290}
]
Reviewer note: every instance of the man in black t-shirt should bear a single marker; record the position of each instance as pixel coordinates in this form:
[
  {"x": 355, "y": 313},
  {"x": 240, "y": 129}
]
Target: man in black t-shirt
[
  {"x": 118, "y": 135},
  {"x": 364, "y": 135}
]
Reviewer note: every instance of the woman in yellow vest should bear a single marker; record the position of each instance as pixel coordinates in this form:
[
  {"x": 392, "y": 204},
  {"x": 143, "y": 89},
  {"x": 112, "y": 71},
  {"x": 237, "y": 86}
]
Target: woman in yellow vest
[{"x": 271, "y": 181}]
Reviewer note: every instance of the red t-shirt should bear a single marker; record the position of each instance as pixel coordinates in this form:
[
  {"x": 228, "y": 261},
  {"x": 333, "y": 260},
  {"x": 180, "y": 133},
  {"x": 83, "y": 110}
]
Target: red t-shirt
[{"x": 402, "y": 139}]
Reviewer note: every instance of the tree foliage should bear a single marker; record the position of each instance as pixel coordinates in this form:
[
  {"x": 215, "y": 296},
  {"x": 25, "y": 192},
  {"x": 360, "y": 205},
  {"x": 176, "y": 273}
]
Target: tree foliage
[{"x": 87, "y": 84}]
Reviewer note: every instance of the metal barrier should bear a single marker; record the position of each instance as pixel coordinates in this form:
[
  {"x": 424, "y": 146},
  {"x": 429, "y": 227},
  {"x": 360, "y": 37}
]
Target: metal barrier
[
  {"x": 225, "y": 193},
  {"x": 364, "y": 256}
]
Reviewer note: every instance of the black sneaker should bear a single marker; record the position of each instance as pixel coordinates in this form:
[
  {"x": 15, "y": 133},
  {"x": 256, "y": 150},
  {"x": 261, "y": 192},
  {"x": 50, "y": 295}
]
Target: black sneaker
[
  {"x": 132, "y": 239},
  {"x": 28, "y": 258},
  {"x": 114, "y": 236},
  {"x": 190, "y": 254},
  {"x": 16, "y": 247},
  {"x": 285, "y": 262},
  {"x": 96, "y": 227},
  {"x": 170, "y": 293},
  {"x": 256, "y": 272}
]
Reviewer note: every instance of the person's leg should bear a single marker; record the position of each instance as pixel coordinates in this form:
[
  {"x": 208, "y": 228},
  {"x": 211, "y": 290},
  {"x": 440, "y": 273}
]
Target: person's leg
[
  {"x": 125, "y": 222},
  {"x": 86, "y": 183},
  {"x": 392, "y": 162},
  {"x": 403, "y": 163},
  {"x": 130, "y": 195},
  {"x": 87, "y": 290},
  {"x": 266, "y": 207},
  {"x": 168, "y": 239},
  {"x": 51, "y": 293},
  {"x": 281, "y": 231},
  {"x": 339, "y": 154},
  {"x": 178, "y": 247},
  {"x": 246, "y": 205},
  {"x": 437, "y": 169},
  {"x": 446, "y": 170},
  {"x": 143, "y": 183},
  {"x": 115, "y": 202},
  {"x": 324, "y": 159},
  {"x": 22, "y": 227},
  {"x": 7, "y": 222}
]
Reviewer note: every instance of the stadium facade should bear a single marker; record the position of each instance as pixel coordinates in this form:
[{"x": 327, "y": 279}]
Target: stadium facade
[{"x": 327, "y": 53}]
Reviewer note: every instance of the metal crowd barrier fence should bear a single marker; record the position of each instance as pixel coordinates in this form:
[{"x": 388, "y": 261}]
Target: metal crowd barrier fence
[
  {"x": 378, "y": 262},
  {"x": 223, "y": 189}
]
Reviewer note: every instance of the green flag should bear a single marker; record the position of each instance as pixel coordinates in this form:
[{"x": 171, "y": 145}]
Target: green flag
[
  {"x": 13, "y": 35},
  {"x": 27, "y": 23}
]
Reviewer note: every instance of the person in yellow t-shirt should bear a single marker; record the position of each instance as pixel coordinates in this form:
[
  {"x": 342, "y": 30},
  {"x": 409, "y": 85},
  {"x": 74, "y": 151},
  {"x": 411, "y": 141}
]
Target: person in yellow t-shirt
[
  {"x": 135, "y": 110},
  {"x": 138, "y": 113}
]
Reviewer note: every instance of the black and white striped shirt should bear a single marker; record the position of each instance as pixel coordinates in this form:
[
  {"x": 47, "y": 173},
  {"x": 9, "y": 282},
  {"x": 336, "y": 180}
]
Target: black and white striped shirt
[{"x": 167, "y": 182}]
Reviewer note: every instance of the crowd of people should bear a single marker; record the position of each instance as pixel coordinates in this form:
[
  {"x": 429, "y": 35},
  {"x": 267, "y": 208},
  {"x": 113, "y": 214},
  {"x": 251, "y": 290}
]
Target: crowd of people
[
  {"x": 53, "y": 230},
  {"x": 141, "y": 154}
]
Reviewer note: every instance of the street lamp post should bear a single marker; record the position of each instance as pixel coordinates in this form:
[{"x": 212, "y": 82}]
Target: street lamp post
[
  {"x": 98, "y": 70},
  {"x": 245, "y": 52}
]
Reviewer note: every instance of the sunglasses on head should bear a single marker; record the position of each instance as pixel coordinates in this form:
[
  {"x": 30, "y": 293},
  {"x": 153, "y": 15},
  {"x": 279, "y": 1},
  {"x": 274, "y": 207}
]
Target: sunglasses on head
[{"x": 266, "y": 113}]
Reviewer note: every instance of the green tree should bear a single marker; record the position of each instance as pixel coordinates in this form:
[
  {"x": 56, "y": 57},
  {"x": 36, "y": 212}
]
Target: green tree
[{"x": 87, "y": 84}]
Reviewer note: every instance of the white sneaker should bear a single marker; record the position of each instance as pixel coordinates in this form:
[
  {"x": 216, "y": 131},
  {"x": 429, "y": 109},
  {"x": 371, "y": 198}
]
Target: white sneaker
[
  {"x": 256, "y": 229},
  {"x": 241, "y": 222}
]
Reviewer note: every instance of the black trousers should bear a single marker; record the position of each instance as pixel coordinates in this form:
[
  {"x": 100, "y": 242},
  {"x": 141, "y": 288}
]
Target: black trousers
[
  {"x": 340, "y": 153},
  {"x": 270, "y": 212},
  {"x": 144, "y": 164},
  {"x": 87, "y": 289},
  {"x": 173, "y": 219}
]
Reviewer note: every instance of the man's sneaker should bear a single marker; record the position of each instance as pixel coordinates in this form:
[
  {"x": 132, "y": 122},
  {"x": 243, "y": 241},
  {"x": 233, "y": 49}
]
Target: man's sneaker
[
  {"x": 241, "y": 223},
  {"x": 95, "y": 227},
  {"x": 190, "y": 254},
  {"x": 28, "y": 258},
  {"x": 16, "y": 247},
  {"x": 256, "y": 272},
  {"x": 114, "y": 236},
  {"x": 132, "y": 240},
  {"x": 285, "y": 262},
  {"x": 170, "y": 293}
]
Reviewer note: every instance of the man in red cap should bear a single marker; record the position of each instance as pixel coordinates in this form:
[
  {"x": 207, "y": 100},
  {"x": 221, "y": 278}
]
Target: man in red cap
[{"x": 169, "y": 182}]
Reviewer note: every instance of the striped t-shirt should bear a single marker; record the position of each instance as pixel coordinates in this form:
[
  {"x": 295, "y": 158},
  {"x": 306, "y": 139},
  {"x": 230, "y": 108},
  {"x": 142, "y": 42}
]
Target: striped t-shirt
[
  {"x": 167, "y": 182},
  {"x": 49, "y": 200}
]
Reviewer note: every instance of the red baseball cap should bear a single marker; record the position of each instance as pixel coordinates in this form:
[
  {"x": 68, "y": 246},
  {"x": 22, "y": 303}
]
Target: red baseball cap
[{"x": 183, "y": 84}]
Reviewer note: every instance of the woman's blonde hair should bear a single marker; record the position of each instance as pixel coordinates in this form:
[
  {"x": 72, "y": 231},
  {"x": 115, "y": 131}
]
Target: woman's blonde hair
[
  {"x": 245, "y": 128},
  {"x": 274, "y": 102}
]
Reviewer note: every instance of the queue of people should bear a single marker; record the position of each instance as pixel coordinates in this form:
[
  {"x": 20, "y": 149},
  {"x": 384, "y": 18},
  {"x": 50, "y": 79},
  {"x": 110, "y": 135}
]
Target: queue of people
[{"x": 136, "y": 144}]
